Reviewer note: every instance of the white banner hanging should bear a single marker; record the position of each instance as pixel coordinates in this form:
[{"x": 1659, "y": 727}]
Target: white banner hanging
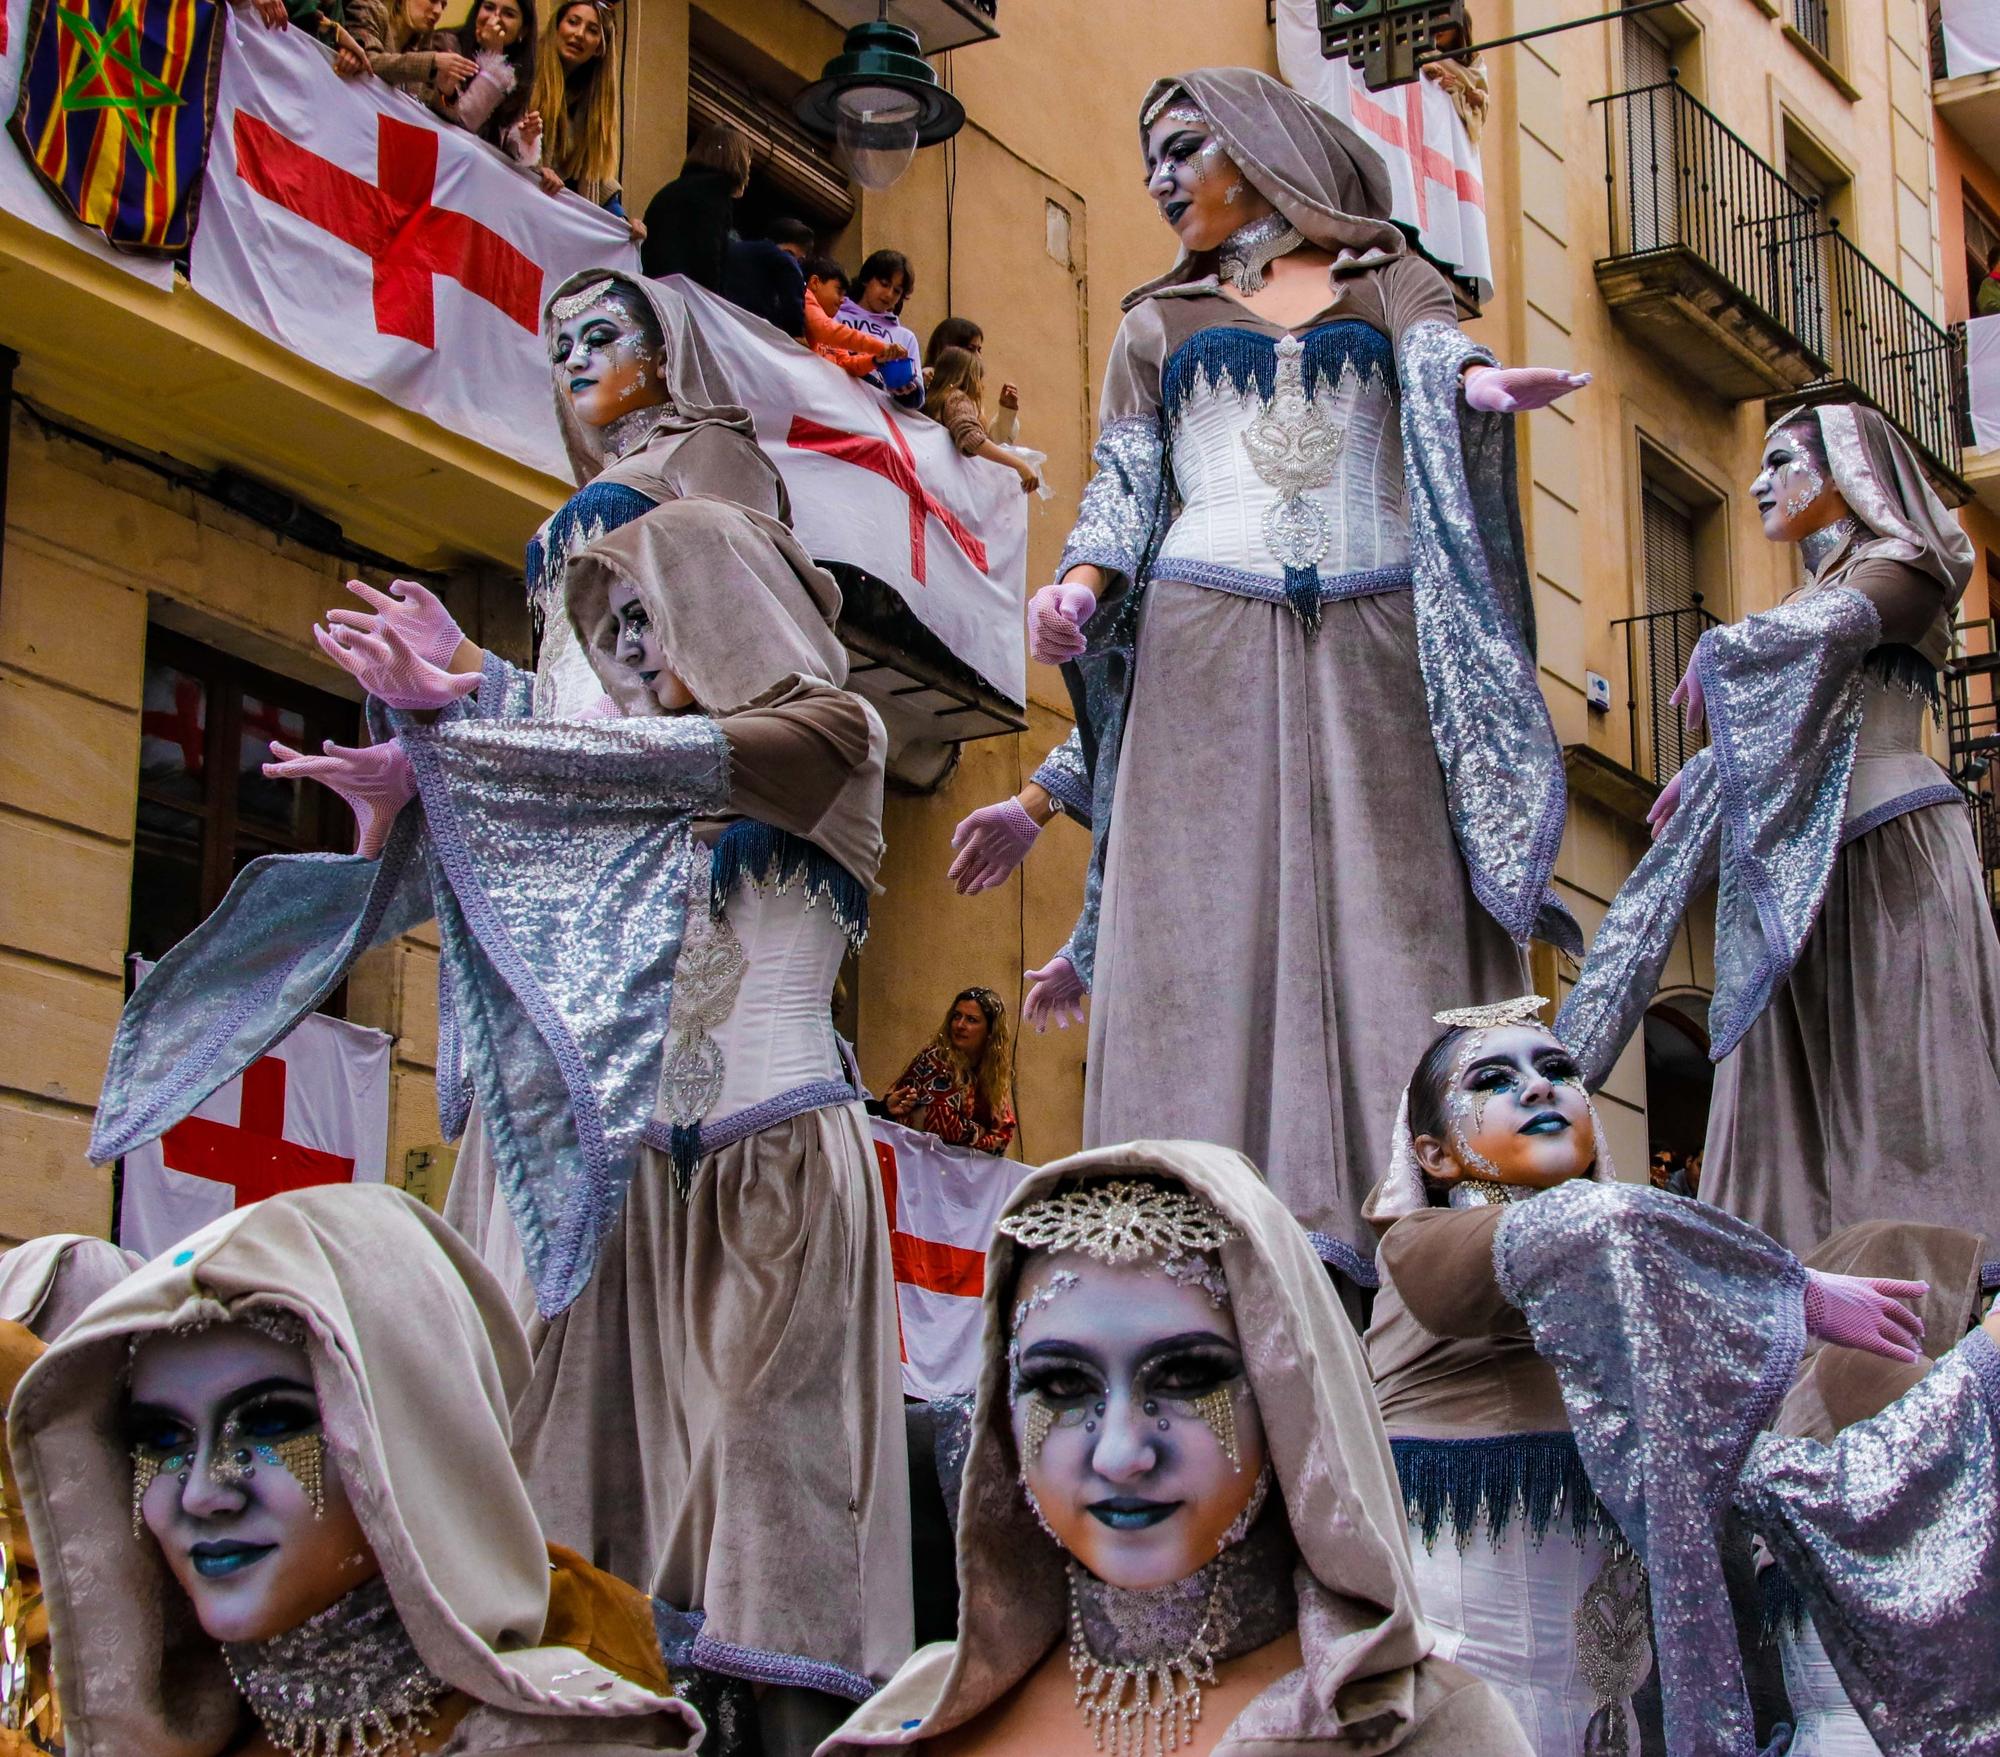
[
  {"x": 314, "y": 1110},
  {"x": 344, "y": 220},
  {"x": 1971, "y": 36},
  {"x": 1434, "y": 168}
]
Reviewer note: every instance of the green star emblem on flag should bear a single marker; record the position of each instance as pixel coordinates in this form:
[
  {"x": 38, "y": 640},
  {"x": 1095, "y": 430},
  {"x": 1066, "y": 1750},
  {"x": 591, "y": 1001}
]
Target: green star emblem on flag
[{"x": 110, "y": 77}]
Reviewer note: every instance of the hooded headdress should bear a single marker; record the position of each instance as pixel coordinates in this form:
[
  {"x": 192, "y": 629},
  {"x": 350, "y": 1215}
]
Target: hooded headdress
[
  {"x": 1365, "y": 1684},
  {"x": 698, "y": 390},
  {"x": 416, "y": 1357},
  {"x": 1328, "y": 182},
  {"x": 48, "y": 1282}
]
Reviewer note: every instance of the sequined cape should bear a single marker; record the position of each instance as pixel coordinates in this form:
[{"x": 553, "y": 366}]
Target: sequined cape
[
  {"x": 1761, "y": 816},
  {"x": 1495, "y": 741},
  {"x": 556, "y": 857},
  {"x": 1675, "y": 1331}
]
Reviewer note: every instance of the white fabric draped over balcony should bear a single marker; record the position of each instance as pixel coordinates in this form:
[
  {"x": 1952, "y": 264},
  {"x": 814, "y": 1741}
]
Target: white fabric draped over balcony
[
  {"x": 1971, "y": 36},
  {"x": 1982, "y": 372}
]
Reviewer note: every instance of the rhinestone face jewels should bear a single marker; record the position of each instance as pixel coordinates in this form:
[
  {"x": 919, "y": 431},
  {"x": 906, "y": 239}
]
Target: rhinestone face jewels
[
  {"x": 1120, "y": 1222},
  {"x": 148, "y": 1465},
  {"x": 233, "y": 1464},
  {"x": 1216, "y": 1411},
  {"x": 1035, "y": 1430},
  {"x": 346, "y": 1683},
  {"x": 573, "y": 305}
]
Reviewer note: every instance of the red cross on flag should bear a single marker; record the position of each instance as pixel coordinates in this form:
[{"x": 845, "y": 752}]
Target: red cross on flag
[
  {"x": 341, "y": 218},
  {"x": 1434, "y": 168},
  {"x": 942, "y": 1202},
  {"x": 315, "y": 1110}
]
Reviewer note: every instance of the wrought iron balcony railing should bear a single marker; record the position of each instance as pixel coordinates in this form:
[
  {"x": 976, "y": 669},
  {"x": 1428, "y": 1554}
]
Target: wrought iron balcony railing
[
  {"x": 1812, "y": 20},
  {"x": 1724, "y": 266},
  {"x": 1972, "y": 726},
  {"x": 1658, "y": 646}
]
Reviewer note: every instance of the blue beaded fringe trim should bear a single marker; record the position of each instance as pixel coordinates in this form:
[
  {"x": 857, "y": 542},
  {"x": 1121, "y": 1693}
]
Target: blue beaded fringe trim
[
  {"x": 1483, "y": 1484},
  {"x": 757, "y": 854},
  {"x": 1248, "y": 359}
]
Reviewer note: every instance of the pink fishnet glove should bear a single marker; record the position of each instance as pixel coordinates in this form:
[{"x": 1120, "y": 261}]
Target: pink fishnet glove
[
  {"x": 382, "y": 662},
  {"x": 1056, "y": 997},
  {"x": 1056, "y": 615},
  {"x": 604, "y": 708},
  {"x": 1514, "y": 390},
  {"x": 412, "y": 611},
  {"x": 1861, "y": 1311},
  {"x": 1690, "y": 699},
  {"x": 376, "y": 781},
  {"x": 991, "y": 843}
]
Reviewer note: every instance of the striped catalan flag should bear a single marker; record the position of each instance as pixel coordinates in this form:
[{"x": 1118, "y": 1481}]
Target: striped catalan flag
[{"x": 116, "y": 101}]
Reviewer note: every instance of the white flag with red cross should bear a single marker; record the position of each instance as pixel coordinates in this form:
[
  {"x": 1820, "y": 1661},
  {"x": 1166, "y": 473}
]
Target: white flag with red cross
[
  {"x": 341, "y": 218},
  {"x": 313, "y": 1110},
  {"x": 884, "y": 490},
  {"x": 942, "y": 1202},
  {"x": 1434, "y": 168}
]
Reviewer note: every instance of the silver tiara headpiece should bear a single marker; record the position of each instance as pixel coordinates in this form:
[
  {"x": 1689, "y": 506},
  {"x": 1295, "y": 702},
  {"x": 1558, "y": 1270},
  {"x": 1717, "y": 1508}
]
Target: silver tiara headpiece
[
  {"x": 1523, "y": 1009},
  {"x": 575, "y": 304},
  {"x": 1120, "y": 1222},
  {"x": 1174, "y": 94}
]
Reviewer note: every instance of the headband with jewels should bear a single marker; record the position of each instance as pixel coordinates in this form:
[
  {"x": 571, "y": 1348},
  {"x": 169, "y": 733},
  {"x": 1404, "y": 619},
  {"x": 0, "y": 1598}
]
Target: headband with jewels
[
  {"x": 574, "y": 304},
  {"x": 1523, "y": 1009},
  {"x": 1120, "y": 1222}
]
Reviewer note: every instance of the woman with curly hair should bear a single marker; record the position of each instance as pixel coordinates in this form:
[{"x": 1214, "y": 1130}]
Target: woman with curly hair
[{"x": 960, "y": 1088}]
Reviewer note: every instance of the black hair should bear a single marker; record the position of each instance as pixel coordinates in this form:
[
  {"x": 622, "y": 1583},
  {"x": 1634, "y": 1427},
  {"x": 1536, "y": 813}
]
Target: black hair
[
  {"x": 1993, "y": 259},
  {"x": 825, "y": 268},
  {"x": 885, "y": 266},
  {"x": 1427, "y": 1084},
  {"x": 786, "y": 230},
  {"x": 953, "y": 332}
]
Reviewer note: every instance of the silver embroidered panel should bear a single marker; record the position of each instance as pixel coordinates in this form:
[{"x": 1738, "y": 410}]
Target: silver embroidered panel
[
  {"x": 1063, "y": 776},
  {"x": 1121, "y": 500}
]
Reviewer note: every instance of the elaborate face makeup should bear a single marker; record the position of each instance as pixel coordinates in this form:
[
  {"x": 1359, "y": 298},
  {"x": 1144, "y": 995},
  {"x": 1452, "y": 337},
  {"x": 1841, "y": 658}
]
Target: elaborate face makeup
[
  {"x": 579, "y": 36},
  {"x": 231, "y": 1478},
  {"x": 1516, "y": 1112},
  {"x": 1138, "y": 1433},
  {"x": 639, "y": 648},
  {"x": 968, "y": 1028},
  {"x": 1197, "y": 186},
  {"x": 497, "y": 24},
  {"x": 606, "y": 356},
  {"x": 1794, "y": 492}
]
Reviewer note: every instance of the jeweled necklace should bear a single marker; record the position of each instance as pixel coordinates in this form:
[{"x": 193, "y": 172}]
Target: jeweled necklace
[
  {"x": 345, "y": 1683},
  {"x": 1478, "y": 1192},
  {"x": 627, "y": 432},
  {"x": 1252, "y": 248},
  {"x": 1816, "y": 546},
  {"x": 1140, "y": 1659}
]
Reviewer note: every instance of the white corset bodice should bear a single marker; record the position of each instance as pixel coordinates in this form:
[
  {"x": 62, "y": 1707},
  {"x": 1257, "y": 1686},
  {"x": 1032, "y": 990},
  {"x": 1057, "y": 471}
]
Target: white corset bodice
[
  {"x": 1824, "y": 1721},
  {"x": 1224, "y": 432},
  {"x": 779, "y": 1034},
  {"x": 564, "y": 682}
]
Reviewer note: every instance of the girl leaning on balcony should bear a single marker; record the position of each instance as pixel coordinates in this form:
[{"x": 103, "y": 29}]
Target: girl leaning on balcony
[
  {"x": 576, "y": 96},
  {"x": 1856, "y": 1016}
]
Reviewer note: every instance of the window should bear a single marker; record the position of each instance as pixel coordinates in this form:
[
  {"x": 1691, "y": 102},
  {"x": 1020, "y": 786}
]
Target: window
[
  {"x": 1682, "y": 544},
  {"x": 205, "y": 806},
  {"x": 1822, "y": 189},
  {"x": 1813, "y": 20},
  {"x": 1982, "y": 238}
]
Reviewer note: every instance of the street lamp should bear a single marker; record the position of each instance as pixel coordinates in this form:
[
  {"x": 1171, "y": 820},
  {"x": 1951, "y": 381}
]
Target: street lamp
[
  {"x": 878, "y": 100},
  {"x": 1387, "y": 41}
]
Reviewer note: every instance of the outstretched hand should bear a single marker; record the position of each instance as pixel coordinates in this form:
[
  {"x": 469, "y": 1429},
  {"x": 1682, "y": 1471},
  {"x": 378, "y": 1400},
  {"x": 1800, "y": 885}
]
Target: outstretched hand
[
  {"x": 991, "y": 843},
  {"x": 1665, "y": 806},
  {"x": 1056, "y": 996},
  {"x": 1056, "y": 615},
  {"x": 375, "y": 779},
  {"x": 1865, "y": 1312},
  {"x": 413, "y": 611},
  {"x": 386, "y": 666},
  {"x": 1514, "y": 390}
]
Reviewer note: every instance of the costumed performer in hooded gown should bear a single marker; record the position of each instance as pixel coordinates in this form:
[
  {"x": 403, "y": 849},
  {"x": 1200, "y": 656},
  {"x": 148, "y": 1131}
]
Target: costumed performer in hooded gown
[
  {"x": 733, "y": 1354},
  {"x": 1179, "y": 1529},
  {"x": 1297, "y": 629},
  {"x": 1676, "y": 1331},
  {"x": 1522, "y": 1573},
  {"x": 1856, "y": 1017},
  {"x": 269, "y": 1481},
  {"x": 46, "y": 1284},
  {"x": 1834, "y": 1389}
]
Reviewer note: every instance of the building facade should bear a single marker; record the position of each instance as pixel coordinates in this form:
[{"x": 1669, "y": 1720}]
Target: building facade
[{"x": 183, "y": 497}]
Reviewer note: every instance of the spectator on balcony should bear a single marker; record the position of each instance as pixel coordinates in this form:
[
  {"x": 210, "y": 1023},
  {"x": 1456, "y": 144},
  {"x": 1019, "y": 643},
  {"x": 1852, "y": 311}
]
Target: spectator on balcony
[
  {"x": 1986, "y": 303},
  {"x": 962, "y": 332},
  {"x": 957, "y": 385},
  {"x": 960, "y": 1088},
  {"x": 576, "y": 96},
  {"x": 886, "y": 281},
  {"x": 690, "y": 223},
  {"x": 856, "y": 351},
  {"x": 767, "y": 275},
  {"x": 405, "y": 50},
  {"x": 499, "y": 35}
]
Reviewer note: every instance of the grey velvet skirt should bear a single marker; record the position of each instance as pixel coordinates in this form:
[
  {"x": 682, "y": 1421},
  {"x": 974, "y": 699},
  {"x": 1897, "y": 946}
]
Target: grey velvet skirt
[
  {"x": 1869, "y": 1087},
  {"x": 1284, "y": 904}
]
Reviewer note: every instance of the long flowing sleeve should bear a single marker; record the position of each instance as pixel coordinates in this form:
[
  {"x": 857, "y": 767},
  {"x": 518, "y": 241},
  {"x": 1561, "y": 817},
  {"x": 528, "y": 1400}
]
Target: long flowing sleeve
[
  {"x": 1891, "y": 1534},
  {"x": 1761, "y": 814},
  {"x": 1065, "y": 777}
]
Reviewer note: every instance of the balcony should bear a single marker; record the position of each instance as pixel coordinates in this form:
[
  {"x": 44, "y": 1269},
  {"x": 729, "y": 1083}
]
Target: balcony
[
  {"x": 1965, "y": 72},
  {"x": 1972, "y": 724},
  {"x": 939, "y": 24},
  {"x": 1720, "y": 265}
]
